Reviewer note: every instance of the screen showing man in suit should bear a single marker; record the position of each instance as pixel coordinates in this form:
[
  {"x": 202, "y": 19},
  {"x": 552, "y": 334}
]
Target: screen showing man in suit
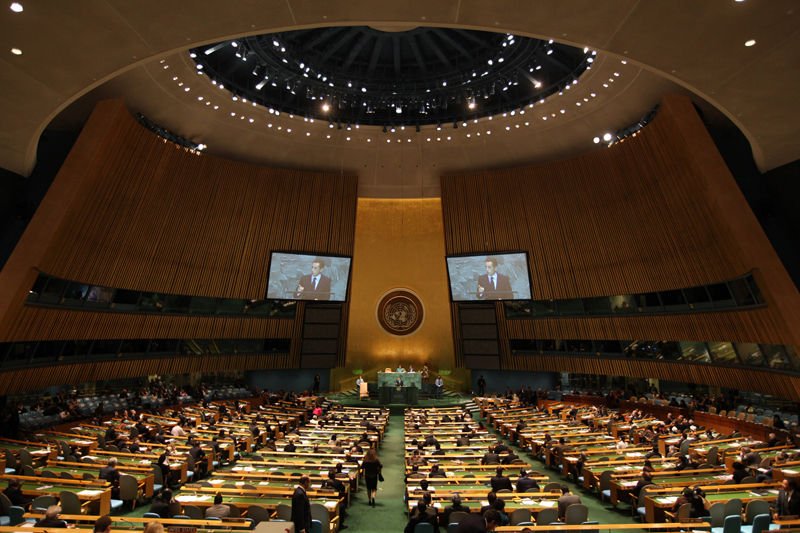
[
  {"x": 308, "y": 277},
  {"x": 502, "y": 276}
]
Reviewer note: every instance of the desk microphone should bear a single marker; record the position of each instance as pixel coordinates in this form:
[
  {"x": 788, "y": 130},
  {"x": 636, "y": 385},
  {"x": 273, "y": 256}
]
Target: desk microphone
[{"x": 126, "y": 521}]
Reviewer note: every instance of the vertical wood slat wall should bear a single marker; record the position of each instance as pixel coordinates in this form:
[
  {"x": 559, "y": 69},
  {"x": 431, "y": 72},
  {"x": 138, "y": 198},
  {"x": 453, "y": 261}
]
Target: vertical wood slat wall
[
  {"x": 632, "y": 218},
  {"x": 24, "y": 379},
  {"x": 150, "y": 216}
]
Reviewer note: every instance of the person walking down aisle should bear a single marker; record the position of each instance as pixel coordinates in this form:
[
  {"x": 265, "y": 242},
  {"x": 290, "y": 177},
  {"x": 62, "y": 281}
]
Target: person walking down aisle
[{"x": 372, "y": 470}]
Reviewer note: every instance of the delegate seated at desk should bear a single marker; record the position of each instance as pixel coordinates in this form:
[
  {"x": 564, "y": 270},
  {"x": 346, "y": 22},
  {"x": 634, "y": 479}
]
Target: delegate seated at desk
[{"x": 400, "y": 369}]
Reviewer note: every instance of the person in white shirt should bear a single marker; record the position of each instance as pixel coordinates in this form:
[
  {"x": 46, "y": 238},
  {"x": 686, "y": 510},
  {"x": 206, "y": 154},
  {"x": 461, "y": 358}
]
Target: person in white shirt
[
  {"x": 622, "y": 444},
  {"x": 177, "y": 431},
  {"x": 439, "y": 384}
]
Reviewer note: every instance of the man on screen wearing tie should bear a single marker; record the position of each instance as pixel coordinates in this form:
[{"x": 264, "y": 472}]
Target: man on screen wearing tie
[
  {"x": 493, "y": 285},
  {"x": 314, "y": 286}
]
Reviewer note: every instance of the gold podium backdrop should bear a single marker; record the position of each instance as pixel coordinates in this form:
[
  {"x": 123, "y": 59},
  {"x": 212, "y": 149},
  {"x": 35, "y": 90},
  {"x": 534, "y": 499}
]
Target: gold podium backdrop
[{"x": 398, "y": 243}]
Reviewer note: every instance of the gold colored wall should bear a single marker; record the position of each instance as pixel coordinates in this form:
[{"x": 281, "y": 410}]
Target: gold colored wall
[{"x": 398, "y": 243}]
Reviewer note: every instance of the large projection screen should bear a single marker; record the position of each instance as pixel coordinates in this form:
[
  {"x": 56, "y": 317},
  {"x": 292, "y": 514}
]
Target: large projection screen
[
  {"x": 308, "y": 277},
  {"x": 486, "y": 277}
]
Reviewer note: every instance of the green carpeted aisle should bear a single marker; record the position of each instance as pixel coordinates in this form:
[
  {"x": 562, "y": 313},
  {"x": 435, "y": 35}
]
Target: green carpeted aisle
[{"x": 389, "y": 513}]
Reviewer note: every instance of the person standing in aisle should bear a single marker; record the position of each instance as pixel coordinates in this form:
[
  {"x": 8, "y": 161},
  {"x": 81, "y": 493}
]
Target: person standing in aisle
[
  {"x": 372, "y": 471},
  {"x": 439, "y": 385},
  {"x": 316, "y": 384},
  {"x": 481, "y": 386},
  {"x": 301, "y": 507}
]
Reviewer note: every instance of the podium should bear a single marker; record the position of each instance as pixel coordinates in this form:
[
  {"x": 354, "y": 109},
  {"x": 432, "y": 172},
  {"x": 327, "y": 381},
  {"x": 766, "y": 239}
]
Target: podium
[{"x": 403, "y": 395}]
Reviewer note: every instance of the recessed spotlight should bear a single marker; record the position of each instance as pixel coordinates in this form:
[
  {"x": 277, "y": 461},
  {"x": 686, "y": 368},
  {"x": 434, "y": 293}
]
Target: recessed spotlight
[
  {"x": 607, "y": 137},
  {"x": 596, "y": 140},
  {"x": 16, "y": 7},
  {"x": 16, "y": 51},
  {"x": 251, "y": 120},
  {"x": 751, "y": 42}
]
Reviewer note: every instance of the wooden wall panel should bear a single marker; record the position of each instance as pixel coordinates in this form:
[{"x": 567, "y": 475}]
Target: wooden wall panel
[
  {"x": 148, "y": 215},
  {"x": 29, "y": 378},
  {"x": 782, "y": 385},
  {"x": 655, "y": 212}
]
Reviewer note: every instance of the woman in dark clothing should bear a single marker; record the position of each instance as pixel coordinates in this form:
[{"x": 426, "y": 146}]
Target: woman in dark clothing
[{"x": 372, "y": 468}]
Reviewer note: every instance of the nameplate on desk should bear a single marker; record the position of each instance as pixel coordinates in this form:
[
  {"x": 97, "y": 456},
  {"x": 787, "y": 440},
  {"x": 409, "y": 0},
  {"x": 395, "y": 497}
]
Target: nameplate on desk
[
  {"x": 191, "y": 486},
  {"x": 789, "y": 517},
  {"x": 38, "y": 511},
  {"x": 691, "y": 520},
  {"x": 181, "y": 529},
  {"x": 234, "y": 520}
]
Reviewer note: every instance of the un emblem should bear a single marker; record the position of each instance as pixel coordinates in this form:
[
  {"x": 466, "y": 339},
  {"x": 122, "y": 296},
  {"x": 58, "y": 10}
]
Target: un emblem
[{"x": 400, "y": 312}]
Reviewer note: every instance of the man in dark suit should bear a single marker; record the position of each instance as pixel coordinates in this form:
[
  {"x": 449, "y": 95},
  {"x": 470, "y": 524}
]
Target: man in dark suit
[
  {"x": 474, "y": 523},
  {"x": 290, "y": 448},
  {"x": 788, "y": 502},
  {"x": 493, "y": 285},
  {"x": 566, "y": 500},
  {"x": 14, "y": 493},
  {"x": 111, "y": 474},
  {"x": 492, "y": 500},
  {"x": 462, "y": 441},
  {"x": 526, "y": 483},
  {"x": 301, "y": 507},
  {"x": 510, "y": 458},
  {"x": 439, "y": 450},
  {"x": 399, "y": 382},
  {"x": 456, "y": 506},
  {"x": 500, "y": 482},
  {"x": 490, "y": 457},
  {"x": 422, "y": 516},
  {"x": 314, "y": 286},
  {"x": 338, "y": 486},
  {"x": 431, "y": 440},
  {"x": 197, "y": 453},
  {"x": 500, "y": 447}
]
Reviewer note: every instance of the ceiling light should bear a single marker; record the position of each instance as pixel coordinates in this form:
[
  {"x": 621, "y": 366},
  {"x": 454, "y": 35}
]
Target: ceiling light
[
  {"x": 16, "y": 7},
  {"x": 16, "y": 51},
  {"x": 607, "y": 137},
  {"x": 596, "y": 140},
  {"x": 325, "y": 107},
  {"x": 751, "y": 42}
]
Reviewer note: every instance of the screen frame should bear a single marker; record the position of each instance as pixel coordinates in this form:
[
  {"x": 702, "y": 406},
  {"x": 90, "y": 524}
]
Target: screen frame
[
  {"x": 324, "y": 254},
  {"x": 488, "y": 254}
]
